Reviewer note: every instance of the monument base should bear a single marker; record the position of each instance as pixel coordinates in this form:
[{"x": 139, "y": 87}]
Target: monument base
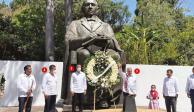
[
  {"x": 120, "y": 110},
  {"x": 67, "y": 108}
]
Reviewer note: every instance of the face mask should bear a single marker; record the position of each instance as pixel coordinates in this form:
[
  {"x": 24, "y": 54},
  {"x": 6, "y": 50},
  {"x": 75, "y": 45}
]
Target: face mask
[
  {"x": 54, "y": 71},
  {"x": 78, "y": 69}
]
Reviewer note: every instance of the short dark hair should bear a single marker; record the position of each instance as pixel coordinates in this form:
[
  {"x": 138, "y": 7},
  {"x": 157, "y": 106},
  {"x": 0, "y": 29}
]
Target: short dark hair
[
  {"x": 153, "y": 85},
  {"x": 51, "y": 67},
  {"x": 78, "y": 65},
  {"x": 26, "y": 67},
  {"x": 170, "y": 70}
]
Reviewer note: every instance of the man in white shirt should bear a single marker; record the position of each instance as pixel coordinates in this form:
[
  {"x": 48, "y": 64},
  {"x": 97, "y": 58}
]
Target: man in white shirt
[
  {"x": 190, "y": 88},
  {"x": 49, "y": 87},
  {"x": 26, "y": 84},
  {"x": 170, "y": 91},
  {"x": 78, "y": 87},
  {"x": 129, "y": 89}
]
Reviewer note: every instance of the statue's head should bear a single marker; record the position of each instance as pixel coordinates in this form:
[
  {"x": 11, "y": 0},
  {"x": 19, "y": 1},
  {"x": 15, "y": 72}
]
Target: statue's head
[{"x": 89, "y": 7}]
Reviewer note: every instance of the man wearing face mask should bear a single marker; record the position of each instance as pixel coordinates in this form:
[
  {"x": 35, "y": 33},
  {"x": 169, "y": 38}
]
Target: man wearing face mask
[
  {"x": 49, "y": 87},
  {"x": 78, "y": 87}
]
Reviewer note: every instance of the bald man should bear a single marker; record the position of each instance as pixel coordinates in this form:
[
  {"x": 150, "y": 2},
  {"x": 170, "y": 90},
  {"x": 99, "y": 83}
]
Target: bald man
[{"x": 129, "y": 89}]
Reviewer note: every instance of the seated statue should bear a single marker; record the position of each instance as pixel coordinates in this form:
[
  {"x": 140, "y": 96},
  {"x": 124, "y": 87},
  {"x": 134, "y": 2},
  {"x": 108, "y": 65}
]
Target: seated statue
[
  {"x": 89, "y": 34},
  {"x": 86, "y": 36}
]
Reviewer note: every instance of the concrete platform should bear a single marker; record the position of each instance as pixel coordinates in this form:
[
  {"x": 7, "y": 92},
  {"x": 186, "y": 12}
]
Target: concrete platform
[
  {"x": 34, "y": 109},
  {"x": 68, "y": 109}
]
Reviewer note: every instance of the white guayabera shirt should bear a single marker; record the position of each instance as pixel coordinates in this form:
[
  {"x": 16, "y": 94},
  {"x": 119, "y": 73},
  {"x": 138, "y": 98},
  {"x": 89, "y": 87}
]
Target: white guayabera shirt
[
  {"x": 170, "y": 86},
  {"x": 78, "y": 82},
  {"x": 24, "y": 83},
  {"x": 49, "y": 84},
  {"x": 132, "y": 83},
  {"x": 190, "y": 83}
]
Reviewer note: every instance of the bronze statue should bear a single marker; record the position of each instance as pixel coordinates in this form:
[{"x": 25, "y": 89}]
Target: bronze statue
[
  {"x": 86, "y": 36},
  {"x": 89, "y": 34}
]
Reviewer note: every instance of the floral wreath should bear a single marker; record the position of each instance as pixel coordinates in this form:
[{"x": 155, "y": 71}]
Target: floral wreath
[{"x": 101, "y": 70}]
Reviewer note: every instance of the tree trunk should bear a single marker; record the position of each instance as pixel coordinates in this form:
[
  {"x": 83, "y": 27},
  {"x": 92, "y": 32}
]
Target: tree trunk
[
  {"x": 68, "y": 12},
  {"x": 66, "y": 78},
  {"x": 49, "y": 42}
]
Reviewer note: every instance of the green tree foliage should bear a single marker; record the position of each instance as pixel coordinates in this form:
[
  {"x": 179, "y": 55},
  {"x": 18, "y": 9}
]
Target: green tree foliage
[
  {"x": 25, "y": 39},
  {"x": 28, "y": 23},
  {"x": 159, "y": 35},
  {"x": 152, "y": 30},
  {"x": 185, "y": 43},
  {"x": 8, "y": 43}
]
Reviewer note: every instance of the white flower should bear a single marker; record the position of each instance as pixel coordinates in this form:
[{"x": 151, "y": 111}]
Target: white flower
[
  {"x": 99, "y": 60},
  {"x": 102, "y": 84}
]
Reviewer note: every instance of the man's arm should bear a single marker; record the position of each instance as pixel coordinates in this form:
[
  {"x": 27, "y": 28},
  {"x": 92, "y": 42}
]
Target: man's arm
[
  {"x": 71, "y": 84},
  {"x": 34, "y": 83},
  {"x": 85, "y": 84},
  {"x": 187, "y": 88},
  {"x": 121, "y": 73},
  {"x": 44, "y": 84},
  {"x": 135, "y": 87},
  {"x": 163, "y": 88},
  {"x": 176, "y": 87}
]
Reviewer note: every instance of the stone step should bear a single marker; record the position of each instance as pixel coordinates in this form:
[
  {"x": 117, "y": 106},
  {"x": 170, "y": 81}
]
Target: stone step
[
  {"x": 68, "y": 108},
  {"x": 59, "y": 109}
]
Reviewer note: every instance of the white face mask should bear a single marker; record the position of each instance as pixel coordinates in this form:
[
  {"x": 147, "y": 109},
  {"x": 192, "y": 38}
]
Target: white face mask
[
  {"x": 79, "y": 69},
  {"x": 54, "y": 71}
]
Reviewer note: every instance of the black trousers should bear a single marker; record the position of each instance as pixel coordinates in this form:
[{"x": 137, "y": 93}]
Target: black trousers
[
  {"x": 170, "y": 103},
  {"x": 50, "y": 103},
  {"x": 22, "y": 101},
  {"x": 192, "y": 98},
  {"x": 129, "y": 104},
  {"x": 77, "y": 99}
]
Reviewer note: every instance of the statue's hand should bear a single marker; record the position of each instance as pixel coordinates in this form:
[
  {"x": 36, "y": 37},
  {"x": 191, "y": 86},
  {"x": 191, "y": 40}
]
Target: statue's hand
[
  {"x": 96, "y": 36},
  {"x": 92, "y": 35},
  {"x": 89, "y": 39},
  {"x": 102, "y": 37}
]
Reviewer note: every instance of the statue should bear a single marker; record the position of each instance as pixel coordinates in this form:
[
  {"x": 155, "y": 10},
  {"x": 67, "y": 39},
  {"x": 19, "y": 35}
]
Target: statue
[
  {"x": 86, "y": 36},
  {"x": 89, "y": 34}
]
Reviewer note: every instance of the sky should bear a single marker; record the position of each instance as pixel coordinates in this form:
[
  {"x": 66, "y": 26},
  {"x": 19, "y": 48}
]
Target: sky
[{"x": 187, "y": 4}]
